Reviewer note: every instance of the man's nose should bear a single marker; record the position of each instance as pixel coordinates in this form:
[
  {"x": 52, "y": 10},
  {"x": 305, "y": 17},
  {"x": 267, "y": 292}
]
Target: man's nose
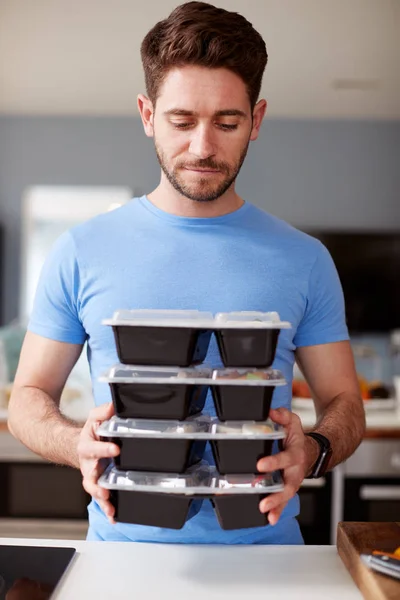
[{"x": 202, "y": 144}]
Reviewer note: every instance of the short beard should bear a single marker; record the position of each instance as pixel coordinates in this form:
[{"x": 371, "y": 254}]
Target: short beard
[{"x": 207, "y": 195}]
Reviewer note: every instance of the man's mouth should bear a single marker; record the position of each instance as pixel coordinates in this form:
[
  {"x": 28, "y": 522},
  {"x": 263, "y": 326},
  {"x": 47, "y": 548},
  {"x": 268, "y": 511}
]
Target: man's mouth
[{"x": 197, "y": 170}]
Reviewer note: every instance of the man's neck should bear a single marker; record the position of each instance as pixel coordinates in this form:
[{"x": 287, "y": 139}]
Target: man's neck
[{"x": 169, "y": 200}]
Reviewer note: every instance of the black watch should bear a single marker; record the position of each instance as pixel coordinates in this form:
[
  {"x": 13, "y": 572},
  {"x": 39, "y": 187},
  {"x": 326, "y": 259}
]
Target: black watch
[{"x": 325, "y": 454}]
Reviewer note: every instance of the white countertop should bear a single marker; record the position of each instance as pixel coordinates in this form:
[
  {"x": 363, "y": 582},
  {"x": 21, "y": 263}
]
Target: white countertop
[{"x": 104, "y": 570}]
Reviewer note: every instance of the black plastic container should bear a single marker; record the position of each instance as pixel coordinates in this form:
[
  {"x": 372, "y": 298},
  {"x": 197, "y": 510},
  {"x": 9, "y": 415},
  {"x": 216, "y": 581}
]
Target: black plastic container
[
  {"x": 161, "y": 346},
  {"x": 151, "y": 393},
  {"x": 241, "y": 402},
  {"x": 247, "y": 347},
  {"x": 174, "y": 446},
  {"x": 178, "y": 393},
  {"x": 239, "y": 456},
  {"x": 239, "y": 511},
  {"x": 244, "y": 394},
  {"x": 158, "y": 455},
  {"x": 157, "y": 337},
  {"x": 171, "y": 511},
  {"x": 248, "y": 339},
  {"x": 154, "y": 509},
  {"x": 156, "y": 445},
  {"x": 169, "y": 500},
  {"x": 158, "y": 402}
]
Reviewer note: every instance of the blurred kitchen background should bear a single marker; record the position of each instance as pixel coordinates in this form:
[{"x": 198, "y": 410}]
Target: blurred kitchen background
[{"x": 327, "y": 161}]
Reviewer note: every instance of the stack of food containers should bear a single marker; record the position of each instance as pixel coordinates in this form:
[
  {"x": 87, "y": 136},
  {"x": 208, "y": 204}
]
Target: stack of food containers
[{"x": 159, "y": 477}]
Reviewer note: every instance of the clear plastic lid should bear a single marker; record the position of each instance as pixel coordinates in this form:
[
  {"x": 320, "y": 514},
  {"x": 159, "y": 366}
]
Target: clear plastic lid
[
  {"x": 197, "y": 319},
  {"x": 199, "y": 480},
  {"x": 250, "y": 320},
  {"x": 200, "y": 427},
  {"x": 119, "y": 427},
  {"x": 246, "y": 429},
  {"x": 161, "y": 318},
  {"x": 132, "y": 374},
  {"x": 251, "y": 377},
  {"x": 201, "y": 375}
]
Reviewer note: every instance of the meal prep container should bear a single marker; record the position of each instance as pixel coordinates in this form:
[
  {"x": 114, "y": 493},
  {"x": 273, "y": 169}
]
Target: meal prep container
[
  {"x": 169, "y": 500},
  {"x": 248, "y": 339},
  {"x": 244, "y": 394},
  {"x": 178, "y": 393},
  {"x": 156, "y": 445},
  {"x": 182, "y": 337},
  {"x": 174, "y": 446},
  {"x": 161, "y": 337},
  {"x": 157, "y": 392}
]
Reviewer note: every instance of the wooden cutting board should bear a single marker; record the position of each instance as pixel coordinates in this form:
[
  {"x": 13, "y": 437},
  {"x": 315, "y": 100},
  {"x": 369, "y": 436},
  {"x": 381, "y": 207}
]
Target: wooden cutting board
[{"x": 354, "y": 539}]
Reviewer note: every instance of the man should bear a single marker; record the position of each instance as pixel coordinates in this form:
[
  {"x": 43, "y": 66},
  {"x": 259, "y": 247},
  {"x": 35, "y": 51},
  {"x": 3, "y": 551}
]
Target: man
[{"x": 192, "y": 243}]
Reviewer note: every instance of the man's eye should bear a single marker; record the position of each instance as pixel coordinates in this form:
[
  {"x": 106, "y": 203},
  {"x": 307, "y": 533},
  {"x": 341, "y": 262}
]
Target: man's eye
[
  {"x": 182, "y": 125},
  {"x": 227, "y": 127}
]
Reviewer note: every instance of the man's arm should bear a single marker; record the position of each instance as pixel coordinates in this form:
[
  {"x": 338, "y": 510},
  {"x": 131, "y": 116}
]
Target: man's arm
[
  {"x": 330, "y": 373},
  {"x": 34, "y": 414},
  {"x": 35, "y": 418}
]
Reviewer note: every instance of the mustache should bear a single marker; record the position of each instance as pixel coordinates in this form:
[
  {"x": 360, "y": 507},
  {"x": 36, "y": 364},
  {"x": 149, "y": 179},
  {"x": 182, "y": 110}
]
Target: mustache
[{"x": 205, "y": 163}]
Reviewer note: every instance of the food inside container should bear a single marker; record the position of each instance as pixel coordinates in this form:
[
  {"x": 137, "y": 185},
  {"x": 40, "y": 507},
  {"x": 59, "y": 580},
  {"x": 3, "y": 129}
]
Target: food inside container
[
  {"x": 157, "y": 392},
  {"x": 161, "y": 337},
  {"x": 244, "y": 394},
  {"x": 174, "y": 446},
  {"x": 248, "y": 339},
  {"x": 169, "y": 500}
]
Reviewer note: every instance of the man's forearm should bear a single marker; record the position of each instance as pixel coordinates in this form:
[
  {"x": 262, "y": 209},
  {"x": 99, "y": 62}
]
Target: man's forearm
[
  {"x": 343, "y": 423},
  {"x": 35, "y": 419}
]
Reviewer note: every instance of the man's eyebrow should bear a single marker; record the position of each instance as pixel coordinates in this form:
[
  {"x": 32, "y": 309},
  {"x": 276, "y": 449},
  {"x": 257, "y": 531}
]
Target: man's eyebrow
[
  {"x": 230, "y": 112},
  {"x": 181, "y": 112}
]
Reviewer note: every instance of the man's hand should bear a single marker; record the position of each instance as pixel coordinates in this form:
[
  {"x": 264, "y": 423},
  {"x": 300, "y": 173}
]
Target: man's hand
[
  {"x": 294, "y": 460},
  {"x": 92, "y": 454}
]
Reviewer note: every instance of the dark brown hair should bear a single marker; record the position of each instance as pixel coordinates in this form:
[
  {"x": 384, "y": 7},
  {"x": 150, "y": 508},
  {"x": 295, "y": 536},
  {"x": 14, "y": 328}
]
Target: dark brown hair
[{"x": 197, "y": 33}]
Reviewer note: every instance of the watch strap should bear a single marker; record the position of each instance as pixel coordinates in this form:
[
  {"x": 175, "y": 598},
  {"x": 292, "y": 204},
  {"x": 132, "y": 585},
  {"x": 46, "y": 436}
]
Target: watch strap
[{"x": 321, "y": 464}]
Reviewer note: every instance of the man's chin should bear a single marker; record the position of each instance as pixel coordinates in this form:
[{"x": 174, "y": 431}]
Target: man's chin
[
  {"x": 200, "y": 197},
  {"x": 200, "y": 193}
]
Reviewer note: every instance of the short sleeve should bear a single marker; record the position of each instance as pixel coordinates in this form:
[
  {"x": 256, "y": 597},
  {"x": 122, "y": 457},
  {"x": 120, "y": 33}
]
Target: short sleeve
[
  {"x": 55, "y": 313},
  {"x": 324, "y": 318}
]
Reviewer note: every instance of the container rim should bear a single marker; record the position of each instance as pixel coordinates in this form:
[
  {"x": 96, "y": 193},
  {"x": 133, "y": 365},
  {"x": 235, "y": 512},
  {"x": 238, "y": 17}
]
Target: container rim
[
  {"x": 204, "y": 376},
  {"x": 204, "y": 480},
  {"x": 196, "y": 319},
  {"x": 206, "y": 429}
]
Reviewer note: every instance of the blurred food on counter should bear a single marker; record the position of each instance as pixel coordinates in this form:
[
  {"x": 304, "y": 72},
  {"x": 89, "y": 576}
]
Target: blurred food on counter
[
  {"x": 370, "y": 390},
  {"x": 376, "y": 376}
]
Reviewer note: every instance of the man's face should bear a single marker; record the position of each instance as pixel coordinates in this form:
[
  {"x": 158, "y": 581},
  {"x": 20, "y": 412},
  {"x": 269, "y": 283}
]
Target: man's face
[{"x": 202, "y": 126}]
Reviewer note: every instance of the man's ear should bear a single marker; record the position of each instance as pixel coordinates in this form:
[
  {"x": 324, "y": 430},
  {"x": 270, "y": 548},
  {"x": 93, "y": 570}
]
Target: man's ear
[
  {"x": 258, "y": 115},
  {"x": 146, "y": 110}
]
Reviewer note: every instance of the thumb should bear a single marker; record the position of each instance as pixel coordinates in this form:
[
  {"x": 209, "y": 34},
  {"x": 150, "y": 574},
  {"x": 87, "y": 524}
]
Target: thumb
[
  {"x": 281, "y": 416},
  {"x": 103, "y": 412}
]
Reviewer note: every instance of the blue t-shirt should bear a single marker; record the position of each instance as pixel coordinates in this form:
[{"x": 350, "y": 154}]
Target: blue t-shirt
[{"x": 139, "y": 256}]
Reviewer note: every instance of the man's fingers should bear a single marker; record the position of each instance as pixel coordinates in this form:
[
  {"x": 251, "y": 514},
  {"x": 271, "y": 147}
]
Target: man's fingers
[
  {"x": 282, "y": 460},
  {"x": 101, "y": 413},
  {"x": 274, "y": 515},
  {"x": 107, "y": 509},
  {"x": 93, "y": 450},
  {"x": 94, "y": 490},
  {"x": 274, "y": 500},
  {"x": 282, "y": 416},
  {"x": 101, "y": 496}
]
